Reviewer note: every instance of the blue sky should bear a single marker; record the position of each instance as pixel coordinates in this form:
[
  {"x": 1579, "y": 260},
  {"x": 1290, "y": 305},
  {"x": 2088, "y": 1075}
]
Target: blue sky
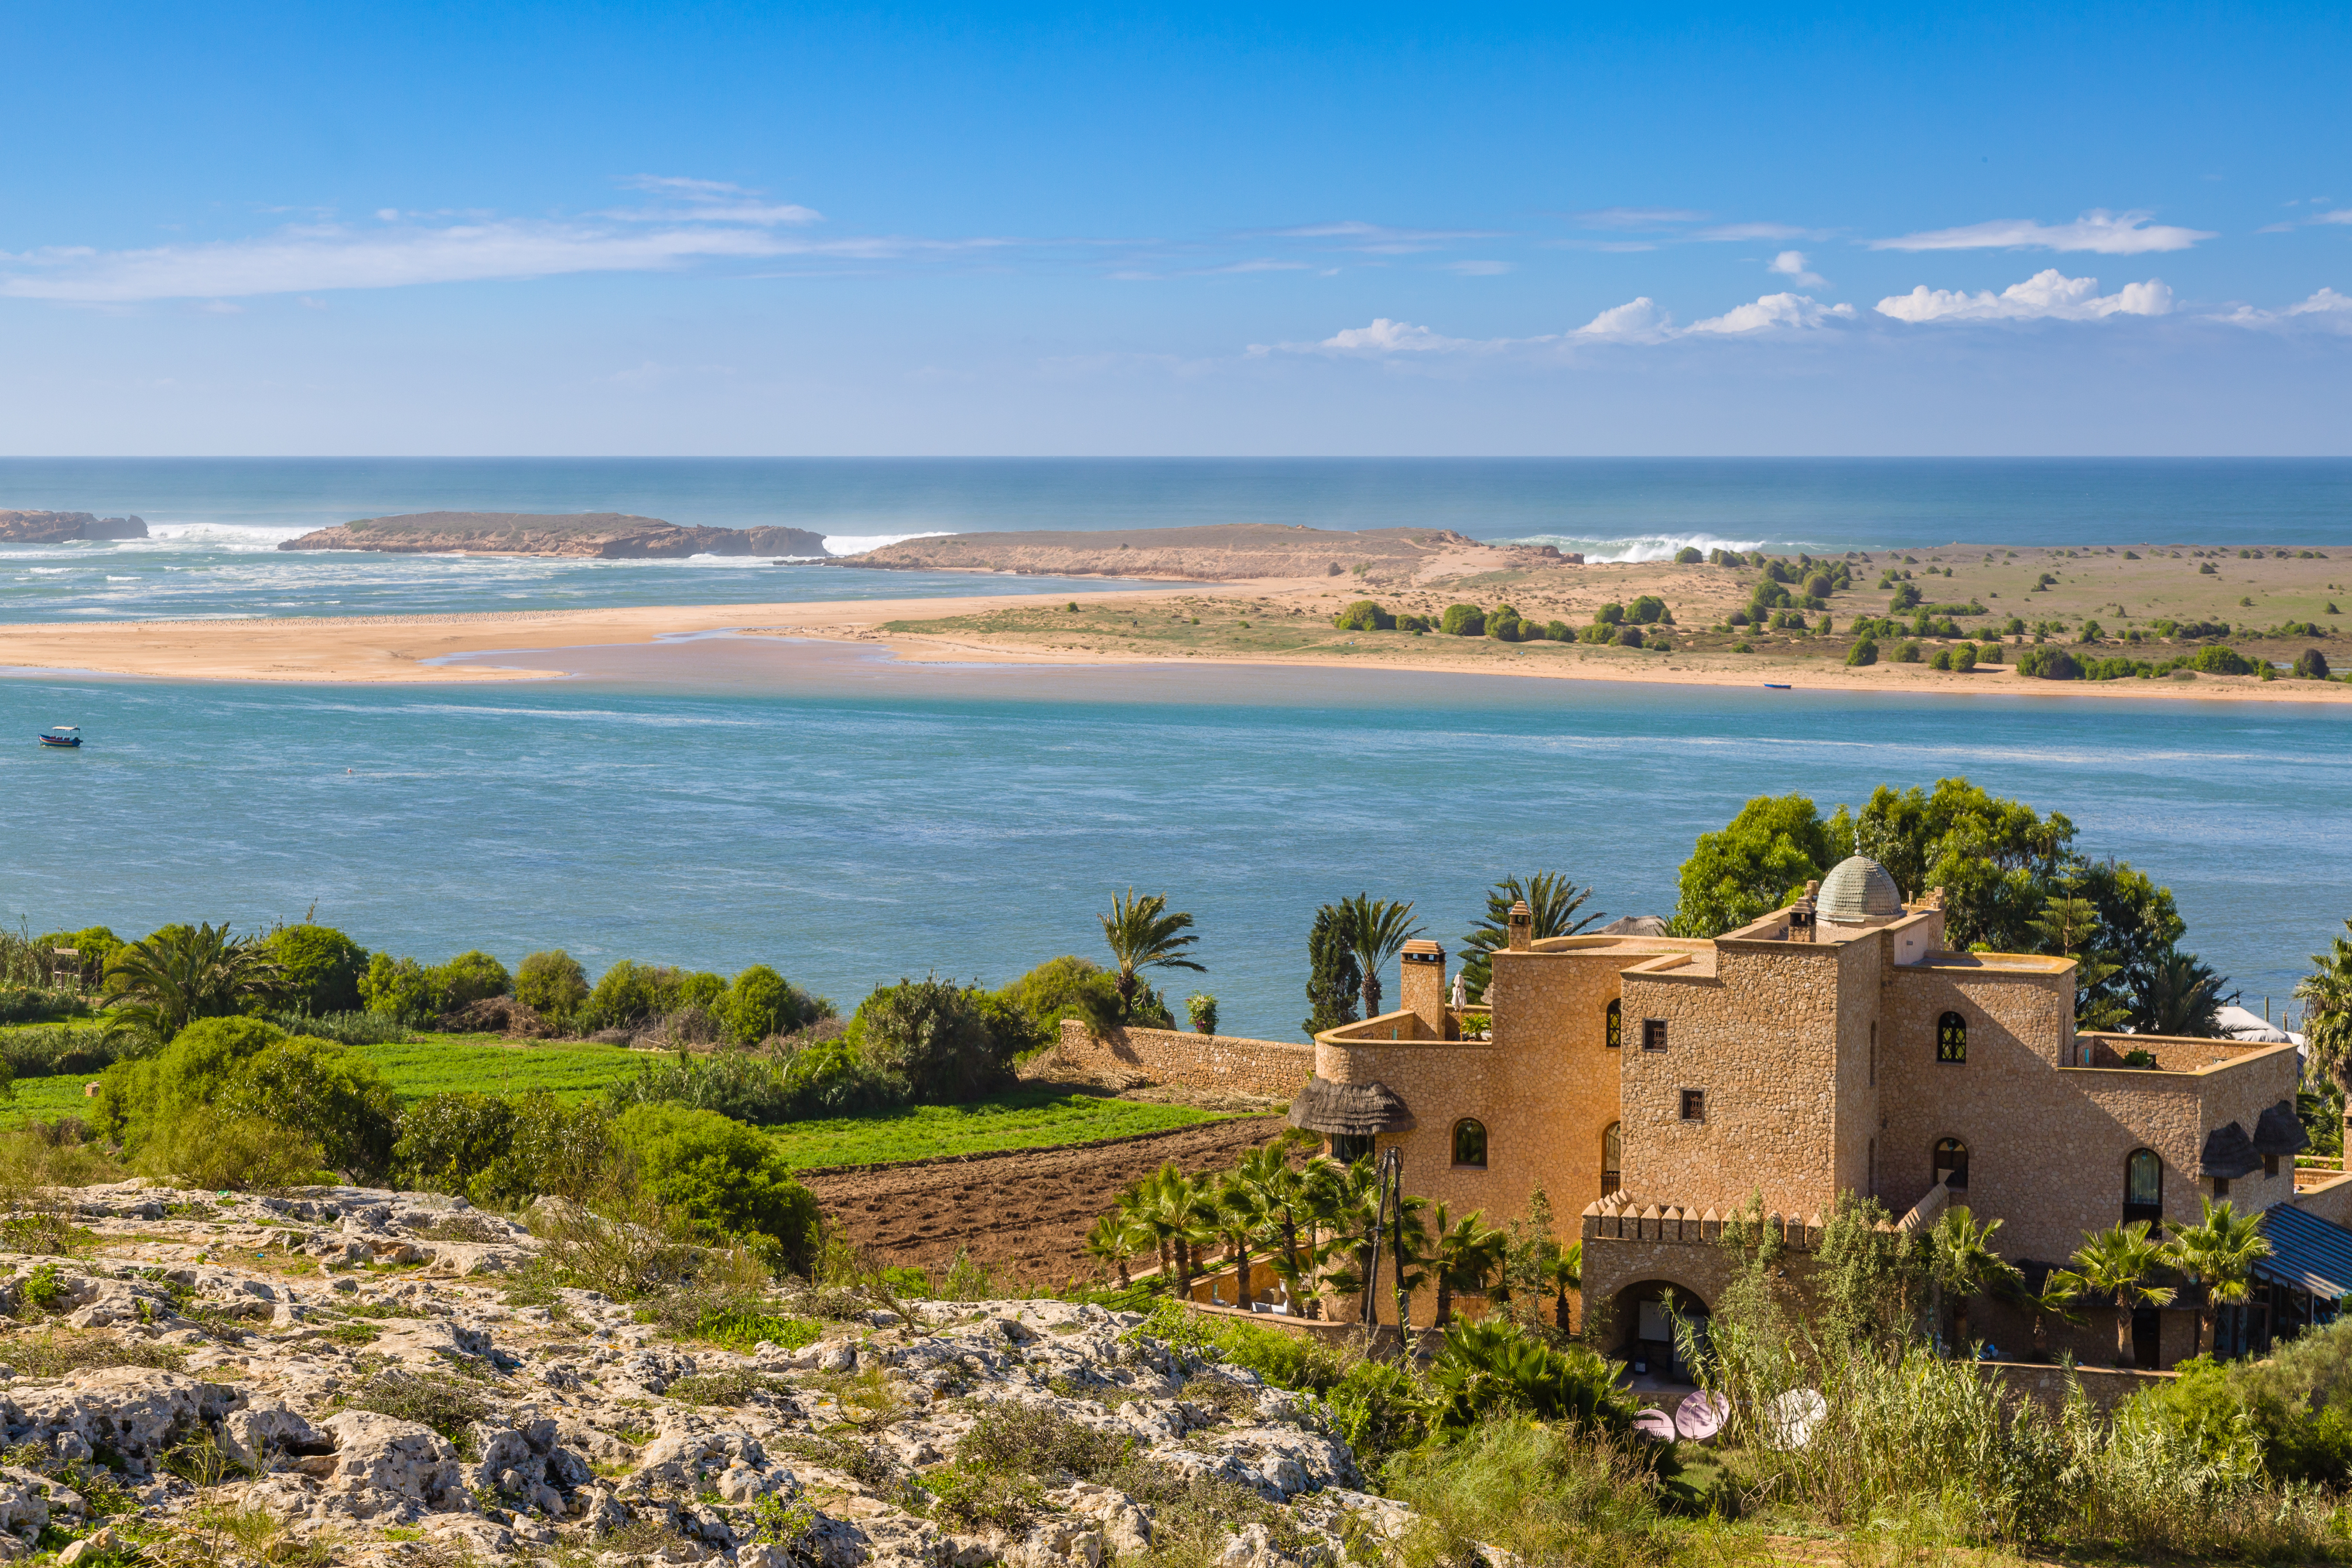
[{"x": 1622, "y": 230}]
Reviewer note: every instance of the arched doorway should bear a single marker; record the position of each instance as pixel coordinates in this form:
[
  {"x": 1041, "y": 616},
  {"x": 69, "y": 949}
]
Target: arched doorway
[{"x": 1643, "y": 1329}]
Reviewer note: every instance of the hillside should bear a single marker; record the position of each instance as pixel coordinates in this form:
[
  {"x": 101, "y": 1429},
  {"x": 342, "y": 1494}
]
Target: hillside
[
  {"x": 63, "y": 528},
  {"x": 1223, "y": 552},
  {"x": 607, "y": 535}
]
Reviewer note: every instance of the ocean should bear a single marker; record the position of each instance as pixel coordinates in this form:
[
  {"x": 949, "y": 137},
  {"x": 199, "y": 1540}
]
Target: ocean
[
  {"x": 218, "y": 521},
  {"x": 853, "y": 820},
  {"x": 722, "y": 801}
]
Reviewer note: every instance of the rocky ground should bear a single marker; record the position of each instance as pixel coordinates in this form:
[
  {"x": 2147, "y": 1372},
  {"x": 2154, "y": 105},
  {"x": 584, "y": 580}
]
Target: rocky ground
[{"x": 355, "y": 1375}]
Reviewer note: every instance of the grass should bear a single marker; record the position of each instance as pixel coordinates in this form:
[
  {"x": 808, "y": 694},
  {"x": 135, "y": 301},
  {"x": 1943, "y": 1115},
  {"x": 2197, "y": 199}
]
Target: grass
[{"x": 1028, "y": 1117}]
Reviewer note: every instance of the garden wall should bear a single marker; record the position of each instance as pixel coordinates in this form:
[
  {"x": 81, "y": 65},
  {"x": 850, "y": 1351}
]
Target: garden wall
[{"x": 1193, "y": 1060}]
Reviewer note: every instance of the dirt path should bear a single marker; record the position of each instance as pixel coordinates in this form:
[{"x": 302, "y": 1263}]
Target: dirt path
[{"x": 1023, "y": 1213}]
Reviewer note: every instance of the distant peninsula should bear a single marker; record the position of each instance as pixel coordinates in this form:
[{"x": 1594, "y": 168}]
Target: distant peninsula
[
  {"x": 604, "y": 535},
  {"x": 1217, "y": 552},
  {"x": 64, "y": 527}
]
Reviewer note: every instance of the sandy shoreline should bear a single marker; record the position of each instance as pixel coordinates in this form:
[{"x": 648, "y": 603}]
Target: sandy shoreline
[{"x": 450, "y": 648}]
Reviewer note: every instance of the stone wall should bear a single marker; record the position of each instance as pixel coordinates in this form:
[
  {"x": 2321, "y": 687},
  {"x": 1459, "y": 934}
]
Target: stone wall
[
  {"x": 2105, "y": 1387},
  {"x": 1225, "y": 1061}
]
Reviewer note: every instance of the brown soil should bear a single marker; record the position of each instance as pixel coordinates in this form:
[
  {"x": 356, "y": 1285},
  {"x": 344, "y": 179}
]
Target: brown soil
[{"x": 1023, "y": 1213}]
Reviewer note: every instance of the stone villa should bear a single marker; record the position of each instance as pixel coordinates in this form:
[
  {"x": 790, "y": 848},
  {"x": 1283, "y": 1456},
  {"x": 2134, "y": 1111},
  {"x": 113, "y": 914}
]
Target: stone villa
[{"x": 1651, "y": 1085}]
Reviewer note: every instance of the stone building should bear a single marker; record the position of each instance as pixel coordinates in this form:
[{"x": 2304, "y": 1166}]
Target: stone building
[{"x": 1651, "y": 1085}]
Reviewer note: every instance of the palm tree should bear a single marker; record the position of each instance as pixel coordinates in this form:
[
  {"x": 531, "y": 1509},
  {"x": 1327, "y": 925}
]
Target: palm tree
[
  {"x": 2060, "y": 1289},
  {"x": 2117, "y": 1262},
  {"x": 1235, "y": 1215},
  {"x": 2177, "y": 994},
  {"x": 1143, "y": 936},
  {"x": 178, "y": 974},
  {"x": 1112, "y": 1237},
  {"x": 1564, "y": 1271},
  {"x": 1167, "y": 1211},
  {"x": 2219, "y": 1253},
  {"x": 1553, "y": 901},
  {"x": 1376, "y": 929},
  {"x": 1468, "y": 1254},
  {"x": 1286, "y": 1197},
  {"x": 1960, "y": 1259},
  {"x": 2327, "y": 996}
]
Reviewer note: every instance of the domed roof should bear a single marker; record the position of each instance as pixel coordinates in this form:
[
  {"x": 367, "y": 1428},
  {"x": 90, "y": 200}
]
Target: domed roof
[{"x": 1858, "y": 890}]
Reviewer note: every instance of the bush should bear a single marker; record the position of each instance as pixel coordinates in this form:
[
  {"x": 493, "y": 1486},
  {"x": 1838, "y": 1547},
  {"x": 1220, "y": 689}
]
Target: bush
[
  {"x": 759, "y": 1003},
  {"x": 627, "y": 995},
  {"x": 322, "y": 967},
  {"x": 205, "y": 1148},
  {"x": 1064, "y": 988},
  {"x": 401, "y": 988},
  {"x": 1906, "y": 597},
  {"x": 1964, "y": 657},
  {"x": 448, "y": 1405},
  {"x": 1377, "y": 1410},
  {"x": 1629, "y": 636},
  {"x": 1942, "y": 660},
  {"x": 1486, "y": 1368},
  {"x": 343, "y": 1029},
  {"x": 934, "y": 1036},
  {"x": 60, "y": 1048},
  {"x": 1863, "y": 652},
  {"x": 1464, "y": 621},
  {"x": 1284, "y": 1360},
  {"x": 2047, "y": 662},
  {"x": 322, "y": 1093},
  {"x": 1036, "y": 1441},
  {"x": 2310, "y": 664},
  {"x": 1364, "y": 616},
  {"x": 1558, "y": 632},
  {"x": 725, "y": 1179},
  {"x": 552, "y": 984},
  {"x": 1689, "y": 555},
  {"x": 136, "y": 1097},
  {"x": 1609, "y": 615},
  {"x": 1649, "y": 611},
  {"x": 498, "y": 1151},
  {"x": 470, "y": 977},
  {"x": 96, "y": 944}
]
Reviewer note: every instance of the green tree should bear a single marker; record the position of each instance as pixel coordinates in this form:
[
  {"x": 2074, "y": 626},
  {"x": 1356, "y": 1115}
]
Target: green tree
[
  {"x": 729, "y": 1181},
  {"x": 552, "y": 984},
  {"x": 2219, "y": 1253},
  {"x": 1552, "y": 902},
  {"x": 627, "y": 995},
  {"x": 1064, "y": 988},
  {"x": 136, "y": 1096},
  {"x": 933, "y": 1037},
  {"x": 1236, "y": 1211},
  {"x": 760, "y": 1003},
  {"x": 1962, "y": 1264},
  {"x": 470, "y": 977},
  {"x": 322, "y": 1092},
  {"x": 1762, "y": 857},
  {"x": 322, "y": 967},
  {"x": 2068, "y": 924},
  {"x": 1872, "y": 1278},
  {"x": 1468, "y": 1255},
  {"x": 401, "y": 989},
  {"x": 1991, "y": 857},
  {"x": 1143, "y": 934},
  {"x": 2179, "y": 995},
  {"x": 181, "y": 974},
  {"x": 1333, "y": 976},
  {"x": 96, "y": 944},
  {"x": 1375, "y": 930},
  {"x": 2117, "y": 1262},
  {"x": 2326, "y": 997}
]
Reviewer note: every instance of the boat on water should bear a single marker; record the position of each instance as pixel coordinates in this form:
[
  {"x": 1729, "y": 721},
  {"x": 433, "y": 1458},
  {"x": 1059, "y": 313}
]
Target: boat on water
[
  {"x": 60, "y": 735},
  {"x": 1775, "y": 686}
]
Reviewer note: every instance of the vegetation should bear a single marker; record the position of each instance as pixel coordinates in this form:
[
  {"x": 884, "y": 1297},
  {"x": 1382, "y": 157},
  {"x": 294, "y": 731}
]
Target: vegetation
[
  {"x": 1552, "y": 902},
  {"x": 179, "y": 973},
  {"x": 1025, "y": 1117},
  {"x": 1373, "y": 931},
  {"x": 1142, "y": 934},
  {"x": 1334, "y": 978}
]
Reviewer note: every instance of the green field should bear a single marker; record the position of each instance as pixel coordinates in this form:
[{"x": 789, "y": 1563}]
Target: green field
[{"x": 1024, "y": 1118}]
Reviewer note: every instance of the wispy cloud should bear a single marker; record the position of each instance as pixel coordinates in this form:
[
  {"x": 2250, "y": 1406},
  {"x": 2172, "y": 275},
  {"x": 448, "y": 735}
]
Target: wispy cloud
[
  {"x": 2343, "y": 215},
  {"x": 2327, "y": 311},
  {"x": 2047, "y": 296},
  {"x": 1639, "y": 217},
  {"x": 1790, "y": 265},
  {"x": 710, "y": 201},
  {"x": 1379, "y": 240},
  {"x": 1607, "y": 246},
  {"x": 1477, "y": 269},
  {"x": 2102, "y": 231},
  {"x": 1639, "y": 320},
  {"x": 1722, "y": 232}
]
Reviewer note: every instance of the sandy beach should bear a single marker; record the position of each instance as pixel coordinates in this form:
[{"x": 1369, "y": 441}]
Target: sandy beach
[{"x": 1279, "y": 621}]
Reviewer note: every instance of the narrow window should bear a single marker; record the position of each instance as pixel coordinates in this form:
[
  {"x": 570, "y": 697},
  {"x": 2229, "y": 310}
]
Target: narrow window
[
  {"x": 2220, "y": 1187},
  {"x": 1694, "y": 1104},
  {"x": 1952, "y": 1164},
  {"x": 1654, "y": 1034},
  {"x": 1874, "y": 1053},
  {"x": 1612, "y": 1157},
  {"x": 1612, "y": 1025},
  {"x": 2269, "y": 1164},
  {"x": 1470, "y": 1143},
  {"x": 1951, "y": 1038},
  {"x": 2143, "y": 1186}
]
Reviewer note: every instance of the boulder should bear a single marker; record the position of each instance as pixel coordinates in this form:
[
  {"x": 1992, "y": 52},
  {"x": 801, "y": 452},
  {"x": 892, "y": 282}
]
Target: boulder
[
  {"x": 385, "y": 1466},
  {"x": 134, "y": 1413}
]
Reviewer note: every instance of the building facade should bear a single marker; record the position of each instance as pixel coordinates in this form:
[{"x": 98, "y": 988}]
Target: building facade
[{"x": 1650, "y": 1086}]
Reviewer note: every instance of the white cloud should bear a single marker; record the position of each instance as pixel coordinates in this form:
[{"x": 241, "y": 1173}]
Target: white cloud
[
  {"x": 1635, "y": 321},
  {"x": 1755, "y": 231},
  {"x": 1790, "y": 265},
  {"x": 2343, "y": 215},
  {"x": 2106, "y": 232},
  {"x": 2048, "y": 295},
  {"x": 1478, "y": 269},
  {"x": 1638, "y": 217},
  {"x": 1792, "y": 310},
  {"x": 1387, "y": 337},
  {"x": 2327, "y": 311}
]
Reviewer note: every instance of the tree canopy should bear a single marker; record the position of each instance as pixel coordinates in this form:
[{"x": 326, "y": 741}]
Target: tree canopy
[{"x": 1552, "y": 902}]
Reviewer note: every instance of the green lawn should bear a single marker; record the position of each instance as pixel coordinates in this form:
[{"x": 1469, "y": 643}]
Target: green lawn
[{"x": 1024, "y": 1118}]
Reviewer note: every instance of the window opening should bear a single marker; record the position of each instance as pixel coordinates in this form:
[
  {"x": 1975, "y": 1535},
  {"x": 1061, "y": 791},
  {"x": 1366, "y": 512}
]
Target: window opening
[
  {"x": 1470, "y": 1143},
  {"x": 1952, "y": 1164},
  {"x": 1694, "y": 1104},
  {"x": 1951, "y": 1038},
  {"x": 2143, "y": 1186},
  {"x": 1612, "y": 1025},
  {"x": 1613, "y": 1156},
  {"x": 1654, "y": 1034}
]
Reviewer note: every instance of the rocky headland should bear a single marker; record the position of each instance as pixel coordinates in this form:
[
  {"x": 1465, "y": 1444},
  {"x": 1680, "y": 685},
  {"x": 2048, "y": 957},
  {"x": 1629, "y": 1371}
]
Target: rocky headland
[
  {"x": 65, "y": 527},
  {"x": 1219, "y": 552},
  {"x": 350, "y": 1375},
  {"x": 607, "y": 535}
]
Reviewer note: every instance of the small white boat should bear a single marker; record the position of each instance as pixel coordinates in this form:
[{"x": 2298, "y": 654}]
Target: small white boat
[{"x": 60, "y": 735}]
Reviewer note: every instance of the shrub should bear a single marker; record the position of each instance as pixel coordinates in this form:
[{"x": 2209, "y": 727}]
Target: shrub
[
  {"x": 1284, "y": 1360},
  {"x": 60, "y": 1048},
  {"x": 1558, "y": 632},
  {"x": 444, "y": 1403},
  {"x": 1377, "y": 1411},
  {"x": 1863, "y": 652},
  {"x": 1649, "y": 611},
  {"x": 760, "y": 1003},
  {"x": 1064, "y": 988},
  {"x": 1505, "y": 626},
  {"x": 1689, "y": 556},
  {"x": 933, "y": 1036},
  {"x": 135, "y": 1097},
  {"x": 725, "y": 1179},
  {"x": 2218, "y": 660},
  {"x": 1907, "y": 654},
  {"x": 1488, "y": 1368},
  {"x": 2048, "y": 663},
  {"x": 401, "y": 988},
  {"x": 470, "y": 977},
  {"x": 2310, "y": 664},
  {"x": 205, "y": 1149},
  {"x": 1464, "y": 621},
  {"x": 1364, "y": 616},
  {"x": 447, "y": 1139},
  {"x": 1414, "y": 623},
  {"x": 1036, "y": 1441},
  {"x": 1942, "y": 660},
  {"x": 1609, "y": 615},
  {"x": 1537, "y": 1494},
  {"x": 1990, "y": 654},
  {"x": 344, "y": 1029},
  {"x": 1964, "y": 657},
  {"x": 627, "y": 995},
  {"x": 1629, "y": 636},
  {"x": 322, "y": 967},
  {"x": 1906, "y": 597},
  {"x": 322, "y": 1093},
  {"x": 552, "y": 984},
  {"x": 97, "y": 945},
  {"x": 1200, "y": 1007},
  {"x": 500, "y": 1151}
]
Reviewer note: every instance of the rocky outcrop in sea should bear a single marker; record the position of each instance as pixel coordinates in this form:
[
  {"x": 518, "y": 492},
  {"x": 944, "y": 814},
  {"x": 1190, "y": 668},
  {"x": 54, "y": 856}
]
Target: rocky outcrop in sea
[
  {"x": 65, "y": 527},
  {"x": 607, "y": 535}
]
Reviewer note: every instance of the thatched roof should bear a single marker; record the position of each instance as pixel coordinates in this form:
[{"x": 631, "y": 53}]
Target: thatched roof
[
  {"x": 1348, "y": 1110},
  {"x": 2228, "y": 1153},
  {"x": 2279, "y": 1130},
  {"x": 1633, "y": 925}
]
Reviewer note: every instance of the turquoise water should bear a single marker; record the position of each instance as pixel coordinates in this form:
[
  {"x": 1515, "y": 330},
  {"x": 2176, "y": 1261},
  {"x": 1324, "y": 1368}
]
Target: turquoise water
[
  {"x": 853, "y": 819},
  {"x": 218, "y": 520}
]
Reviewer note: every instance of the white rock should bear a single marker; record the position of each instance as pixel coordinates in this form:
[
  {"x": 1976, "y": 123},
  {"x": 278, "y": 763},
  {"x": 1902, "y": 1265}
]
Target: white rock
[{"x": 387, "y": 1466}]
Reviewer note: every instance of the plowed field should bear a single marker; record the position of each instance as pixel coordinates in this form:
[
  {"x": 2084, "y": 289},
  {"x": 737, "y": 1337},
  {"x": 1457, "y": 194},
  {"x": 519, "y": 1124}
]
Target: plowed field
[{"x": 1023, "y": 1213}]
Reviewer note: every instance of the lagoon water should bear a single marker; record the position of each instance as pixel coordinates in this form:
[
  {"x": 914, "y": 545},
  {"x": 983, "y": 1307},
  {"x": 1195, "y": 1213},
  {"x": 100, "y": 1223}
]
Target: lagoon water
[{"x": 851, "y": 818}]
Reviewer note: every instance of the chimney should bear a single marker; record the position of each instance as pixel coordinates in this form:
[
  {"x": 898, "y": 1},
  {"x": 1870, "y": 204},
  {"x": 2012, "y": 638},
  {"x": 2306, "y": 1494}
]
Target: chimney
[
  {"x": 1801, "y": 914},
  {"x": 1523, "y": 927},
  {"x": 1422, "y": 985}
]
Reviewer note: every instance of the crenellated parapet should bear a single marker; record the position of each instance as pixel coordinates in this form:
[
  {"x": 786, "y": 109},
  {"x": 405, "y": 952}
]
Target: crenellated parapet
[{"x": 1621, "y": 1219}]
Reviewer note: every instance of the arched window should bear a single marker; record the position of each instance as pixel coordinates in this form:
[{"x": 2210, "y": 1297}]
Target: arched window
[
  {"x": 1613, "y": 1156},
  {"x": 1470, "y": 1143},
  {"x": 2143, "y": 1186},
  {"x": 1612, "y": 1025},
  {"x": 1952, "y": 1164},
  {"x": 1951, "y": 1038}
]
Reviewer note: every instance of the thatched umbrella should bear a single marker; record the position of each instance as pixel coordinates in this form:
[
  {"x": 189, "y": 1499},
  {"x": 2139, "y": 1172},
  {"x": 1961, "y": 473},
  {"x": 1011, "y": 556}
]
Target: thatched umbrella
[{"x": 1348, "y": 1110}]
